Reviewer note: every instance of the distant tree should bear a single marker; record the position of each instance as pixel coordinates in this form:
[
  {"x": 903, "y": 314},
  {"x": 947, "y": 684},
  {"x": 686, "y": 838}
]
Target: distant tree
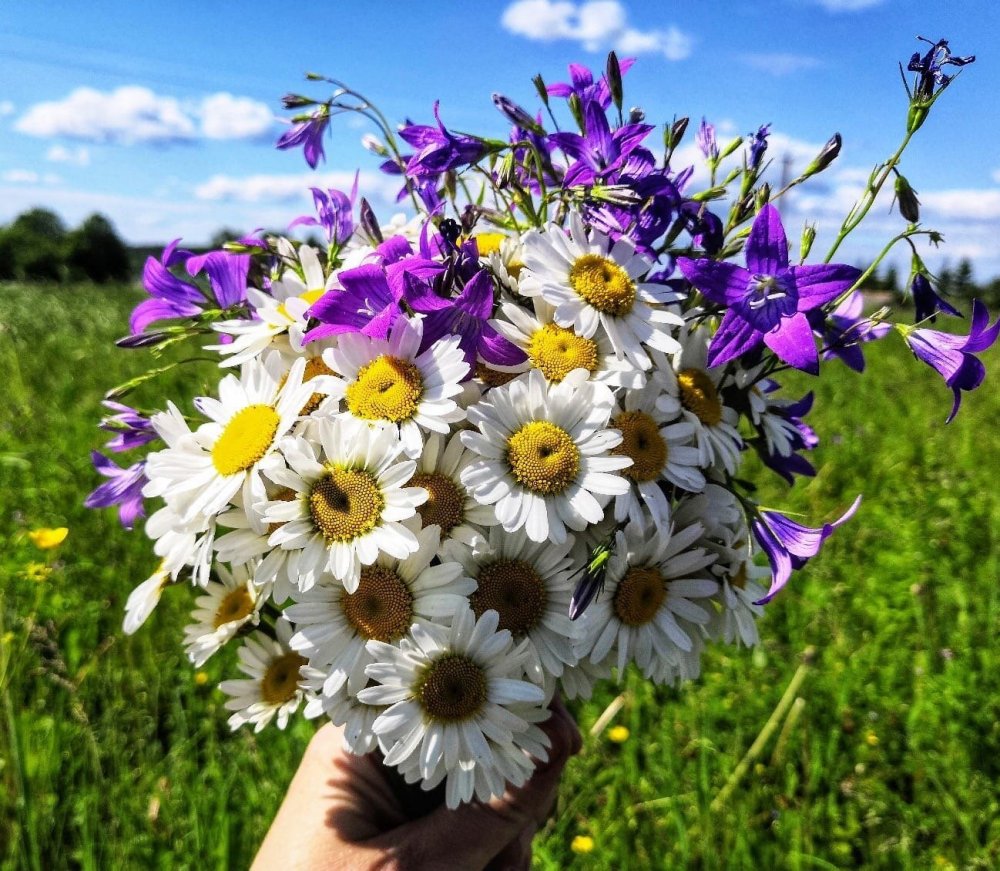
[
  {"x": 41, "y": 223},
  {"x": 964, "y": 284},
  {"x": 226, "y": 234},
  {"x": 891, "y": 280},
  {"x": 95, "y": 251},
  {"x": 946, "y": 280},
  {"x": 8, "y": 256}
]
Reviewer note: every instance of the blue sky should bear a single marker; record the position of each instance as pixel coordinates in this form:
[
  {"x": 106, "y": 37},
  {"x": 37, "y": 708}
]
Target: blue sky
[{"x": 162, "y": 115}]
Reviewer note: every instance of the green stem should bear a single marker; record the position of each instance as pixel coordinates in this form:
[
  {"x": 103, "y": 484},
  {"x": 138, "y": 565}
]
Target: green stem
[{"x": 863, "y": 206}]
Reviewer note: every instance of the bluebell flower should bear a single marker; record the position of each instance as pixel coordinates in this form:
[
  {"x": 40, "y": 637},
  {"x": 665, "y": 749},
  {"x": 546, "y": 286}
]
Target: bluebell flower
[
  {"x": 927, "y": 302},
  {"x": 438, "y": 150},
  {"x": 758, "y": 145},
  {"x": 131, "y": 429},
  {"x": 929, "y": 67},
  {"x": 789, "y": 545},
  {"x": 171, "y": 296},
  {"x": 124, "y": 488},
  {"x": 334, "y": 213},
  {"x": 844, "y": 330},
  {"x": 768, "y": 300},
  {"x": 308, "y": 135},
  {"x": 953, "y": 357}
]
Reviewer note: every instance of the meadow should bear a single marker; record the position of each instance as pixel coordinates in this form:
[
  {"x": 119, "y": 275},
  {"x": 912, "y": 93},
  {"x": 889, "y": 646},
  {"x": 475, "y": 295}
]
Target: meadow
[{"x": 864, "y": 732}]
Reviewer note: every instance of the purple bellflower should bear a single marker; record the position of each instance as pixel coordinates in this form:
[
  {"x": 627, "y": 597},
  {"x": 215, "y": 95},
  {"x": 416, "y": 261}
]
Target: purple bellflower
[
  {"x": 438, "y": 150},
  {"x": 466, "y": 316},
  {"x": 929, "y": 67},
  {"x": 583, "y": 85},
  {"x": 927, "y": 302},
  {"x": 334, "y": 213},
  {"x": 705, "y": 140},
  {"x": 227, "y": 275},
  {"x": 131, "y": 429},
  {"x": 601, "y": 154},
  {"x": 171, "y": 297},
  {"x": 952, "y": 357},
  {"x": 307, "y": 135},
  {"x": 801, "y": 438},
  {"x": 844, "y": 330},
  {"x": 790, "y": 545},
  {"x": 370, "y": 301},
  {"x": 758, "y": 145},
  {"x": 768, "y": 300},
  {"x": 124, "y": 488}
]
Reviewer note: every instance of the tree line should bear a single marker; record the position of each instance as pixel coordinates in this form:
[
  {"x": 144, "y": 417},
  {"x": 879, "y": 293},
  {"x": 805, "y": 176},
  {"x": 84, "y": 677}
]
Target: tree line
[{"x": 37, "y": 246}]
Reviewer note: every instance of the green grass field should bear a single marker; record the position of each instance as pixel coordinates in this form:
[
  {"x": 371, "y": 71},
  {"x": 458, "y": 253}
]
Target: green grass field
[{"x": 886, "y": 754}]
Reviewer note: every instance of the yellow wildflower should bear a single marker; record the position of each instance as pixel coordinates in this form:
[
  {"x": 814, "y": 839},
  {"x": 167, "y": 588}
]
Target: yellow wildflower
[
  {"x": 582, "y": 844},
  {"x": 45, "y": 539},
  {"x": 618, "y": 734}
]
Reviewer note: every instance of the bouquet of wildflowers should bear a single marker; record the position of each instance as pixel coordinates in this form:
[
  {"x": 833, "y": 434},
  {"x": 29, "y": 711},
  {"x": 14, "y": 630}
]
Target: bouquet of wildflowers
[{"x": 467, "y": 459}]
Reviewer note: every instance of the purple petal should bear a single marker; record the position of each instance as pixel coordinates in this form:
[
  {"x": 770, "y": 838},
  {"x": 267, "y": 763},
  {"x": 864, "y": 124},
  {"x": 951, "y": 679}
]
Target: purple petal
[
  {"x": 767, "y": 247},
  {"x": 724, "y": 283},
  {"x": 734, "y": 337},
  {"x": 792, "y": 341},
  {"x": 498, "y": 351},
  {"x": 822, "y": 282},
  {"x": 981, "y": 338},
  {"x": 152, "y": 310}
]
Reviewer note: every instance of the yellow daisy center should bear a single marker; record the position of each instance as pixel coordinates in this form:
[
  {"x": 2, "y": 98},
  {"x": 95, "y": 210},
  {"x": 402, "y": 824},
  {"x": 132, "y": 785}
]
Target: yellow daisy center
[
  {"x": 642, "y": 442},
  {"x": 345, "y": 504},
  {"x": 452, "y": 688},
  {"x": 488, "y": 243},
  {"x": 493, "y": 378},
  {"x": 281, "y": 680},
  {"x": 245, "y": 439},
  {"x": 699, "y": 396},
  {"x": 543, "y": 457},
  {"x": 235, "y": 605},
  {"x": 381, "y": 607},
  {"x": 445, "y": 505},
  {"x": 557, "y": 351},
  {"x": 639, "y": 595},
  {"x": 310, "y": 296},
  {"x": 515, "y": 591},
  {"x": 314, "y": 367},
  {"x": 387, "y": 388},
  {"x": 603, "y": 284}
]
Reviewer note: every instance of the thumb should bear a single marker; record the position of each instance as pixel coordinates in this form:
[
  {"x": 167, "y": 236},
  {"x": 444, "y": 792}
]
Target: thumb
[{"x": 474, "y": 833}]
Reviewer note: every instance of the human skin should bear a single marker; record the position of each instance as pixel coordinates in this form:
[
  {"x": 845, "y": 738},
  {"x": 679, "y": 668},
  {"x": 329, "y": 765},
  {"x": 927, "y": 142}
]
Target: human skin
[{"x": 344, "y": 812}]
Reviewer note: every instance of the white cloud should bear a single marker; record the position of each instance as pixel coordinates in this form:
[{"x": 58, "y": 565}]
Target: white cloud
[
  {"x": 61, "y": 154},
  {"x": 6, "y": 108},
  {"x": 225, "y": 116},
  {"x": 595, "y": 24},
  {"x": 28, "y": 176},
  {"x": 280, "y": 188},
  {"x": 133, "y": 114},
  {"x": 848, "y": 5},
  {"x": 779, "y": 63},
  {"x": 962, "y": 205}
]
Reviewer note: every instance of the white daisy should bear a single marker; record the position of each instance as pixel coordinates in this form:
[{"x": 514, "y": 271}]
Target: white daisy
[
  {"x": 183, "y": 544},
  {"x": 557, "y": 350},
  {"x": 281, "y": 315},
  {"x": 391, "y": 382},
  {"x": 503, "y": 254},
  {"x": 225, "y": 608},
  {"x": 205, "y": 470},
  {"x": 452, "y": 696},
  {"x": 272, "y": 685},
  {"x": 342, "y": 709},
  {"x": 594, "y": 284},
  {"x": 449, "y": 505},
  {"x": 348, "y": 505},
  {"x": 545, "y": 454},
  {"x": 333, "y": 625},
  {"x": 661, "y": 452},
  {"x": 144, "y": 598},
  {"x": 694, "y": 389},
  {"x": 529, "y": 585},
  {"x": 653, "y": 583}
]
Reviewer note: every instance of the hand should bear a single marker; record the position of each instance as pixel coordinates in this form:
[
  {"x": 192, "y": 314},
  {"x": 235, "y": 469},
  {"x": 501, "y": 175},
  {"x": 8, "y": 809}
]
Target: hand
[{"x": 349, "y": 812}]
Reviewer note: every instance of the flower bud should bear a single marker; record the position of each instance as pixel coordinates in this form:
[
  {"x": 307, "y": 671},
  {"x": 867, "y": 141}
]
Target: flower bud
[
  {"x": 515, "y": 114},
  {"x": 614, "y": 77},
  {"x": 808, "y": 237},
  {"x": 909, "y": 205},
  {"x": 827, "y": 155},
  {"x": 576, "y": 110},
  {"x": 543, "y": 92},
  {"x": 505, "y": 171},
  {"x": 763, "y": 196},
  {"x": 370, "y": 142},
  {"x": 636, "y": 115},
  {"x": 296, "y": 101},
  {"x": 368, "y": 223}
]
